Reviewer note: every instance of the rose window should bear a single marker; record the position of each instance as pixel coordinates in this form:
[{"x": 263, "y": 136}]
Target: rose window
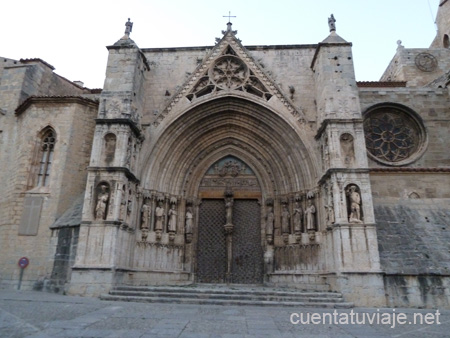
[
  {"x": 229, "y": 72},
  {"x": 393, "y": 136}
]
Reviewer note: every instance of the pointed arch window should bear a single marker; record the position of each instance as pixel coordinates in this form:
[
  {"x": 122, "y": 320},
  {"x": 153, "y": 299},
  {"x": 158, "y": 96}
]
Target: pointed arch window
[{"x": 46, "y": 157}]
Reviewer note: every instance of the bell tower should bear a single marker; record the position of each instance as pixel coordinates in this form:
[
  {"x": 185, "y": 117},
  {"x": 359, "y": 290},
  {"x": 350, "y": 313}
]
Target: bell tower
[{"x": 442, "y": 39}]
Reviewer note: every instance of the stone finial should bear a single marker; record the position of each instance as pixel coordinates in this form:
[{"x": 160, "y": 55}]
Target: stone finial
[
  {"x": 128, "y": 27},
  {"x": 332, "y": 23},
  {"x": 399, "y": 44}
]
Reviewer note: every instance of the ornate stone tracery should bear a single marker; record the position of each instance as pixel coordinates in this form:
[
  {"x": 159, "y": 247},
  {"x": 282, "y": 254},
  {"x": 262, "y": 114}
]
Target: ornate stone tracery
[
  {"x": 426, "y": 62},
  {"x": 229, "y": 72},
  {"x": 393, "y": 136}
]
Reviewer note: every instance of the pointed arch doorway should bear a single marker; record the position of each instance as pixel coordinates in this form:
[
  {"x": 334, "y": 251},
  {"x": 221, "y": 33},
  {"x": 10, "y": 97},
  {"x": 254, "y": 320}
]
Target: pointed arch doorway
[{"x": 230, "y": 249}]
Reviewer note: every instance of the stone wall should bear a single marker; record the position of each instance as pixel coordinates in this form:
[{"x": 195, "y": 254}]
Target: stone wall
[
  {"x": 417, "y": 66},
  {"x": 443, "y": 25},
  {"x": 413, "y": 242},
  {"x": 432, "y": 107},
  {"x": 72, "y": 121},
  {"x": 288, "y": 66}
]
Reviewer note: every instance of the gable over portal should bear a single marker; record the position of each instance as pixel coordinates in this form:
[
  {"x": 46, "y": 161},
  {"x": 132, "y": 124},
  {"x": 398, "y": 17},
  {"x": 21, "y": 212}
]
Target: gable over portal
[{"x": 227, "y": 69}]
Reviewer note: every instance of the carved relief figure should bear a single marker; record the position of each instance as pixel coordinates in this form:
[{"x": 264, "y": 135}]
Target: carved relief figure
[
  {"x": 347, "y": 149},
  {"x": 189, "y": 221},
  {"x": 110, "y": 147},
  {"x": 145, "y": 215},
  {"x": 354, "y": 199},
  {"x": 285, "y": 217},
  {"x": 129, "y": 205},
  {"x": 326, "y": 153},
  {"x": 229, "y": 210},
  {"x": 298, "y": 215},
  {"x": 129, "y": 148},
  {"x": 172, "y": 227},
  {"x": 310, "y": 213},
  {"x": 330, "y": 213},
  {"x": 269, "y": 220},
  {"x": 159, "y": 213},
  {"x": 102, "y": 202},
  {"x": 123, "y": 206}
]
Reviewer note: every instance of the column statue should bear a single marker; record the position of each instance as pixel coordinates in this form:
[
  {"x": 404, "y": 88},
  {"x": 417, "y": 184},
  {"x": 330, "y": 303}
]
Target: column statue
[{"x": 102, "y": 202}]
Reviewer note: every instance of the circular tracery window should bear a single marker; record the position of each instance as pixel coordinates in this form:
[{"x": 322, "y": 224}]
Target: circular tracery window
[
  {"x": 394, "y": 136},
  {"x": 229, "y": 72}
]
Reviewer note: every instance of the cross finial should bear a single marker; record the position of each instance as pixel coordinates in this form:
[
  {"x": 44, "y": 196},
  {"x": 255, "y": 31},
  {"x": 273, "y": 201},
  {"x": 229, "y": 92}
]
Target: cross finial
[{"x": 229, "y": 16}]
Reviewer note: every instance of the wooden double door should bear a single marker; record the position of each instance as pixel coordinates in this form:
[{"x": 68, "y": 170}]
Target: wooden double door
[{"x": 245, "y": 256}]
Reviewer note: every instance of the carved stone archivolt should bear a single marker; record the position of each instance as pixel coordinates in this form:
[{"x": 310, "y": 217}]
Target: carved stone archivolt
[{"x": 394, "y": 136}]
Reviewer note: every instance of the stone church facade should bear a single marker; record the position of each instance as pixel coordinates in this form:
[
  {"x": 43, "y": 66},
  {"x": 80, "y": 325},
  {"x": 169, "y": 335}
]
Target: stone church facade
[{"x": 231, "y": 164}]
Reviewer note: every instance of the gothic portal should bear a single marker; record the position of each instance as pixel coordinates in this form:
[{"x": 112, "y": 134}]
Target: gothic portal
[{"x": 231, "y": 164}]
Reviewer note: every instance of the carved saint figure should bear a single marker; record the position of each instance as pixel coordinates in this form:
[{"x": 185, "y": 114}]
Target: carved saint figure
[
  {"x": 123, "y": 210},
  {"x": 269, "y": 220},
  {"x": 347, "y": 149},
  {"x": 189, "y": 221},
  {"x": 172, "y": 219},
  {"x": 159, "y": 213},
  {"x": 110, "y": 147},
  {"x": 285, "y": 216},
  {"x": 309, "y": 213},
  {"x": 102, "y": 202},
  {"x": 298, "y": 215},
  {"x": 128, "y": 27},
  {"x": 229, "y": 210},
  {"x": 332, "y": 23},
  {"x": 355, "y": 204},
  {"x": 145, "y": 215},
  {"x": 330, "y": 213}
]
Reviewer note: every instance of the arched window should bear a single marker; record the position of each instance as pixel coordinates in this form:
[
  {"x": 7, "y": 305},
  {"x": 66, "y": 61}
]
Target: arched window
[
  {"x": 46, "y": 157},
  {"x": 446, "y": 41}
]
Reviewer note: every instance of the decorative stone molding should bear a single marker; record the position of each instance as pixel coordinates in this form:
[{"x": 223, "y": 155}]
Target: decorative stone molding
[{"x": 426, "y": 62}]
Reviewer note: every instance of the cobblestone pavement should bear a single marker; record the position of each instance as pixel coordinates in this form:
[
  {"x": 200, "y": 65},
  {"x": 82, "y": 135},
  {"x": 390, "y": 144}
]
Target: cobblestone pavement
[{"x": 39, "y": 314}]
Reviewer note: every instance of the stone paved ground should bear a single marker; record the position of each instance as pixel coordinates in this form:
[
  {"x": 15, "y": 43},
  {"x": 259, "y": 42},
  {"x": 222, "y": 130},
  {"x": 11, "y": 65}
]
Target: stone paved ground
[{"x": 39, "y": 314}]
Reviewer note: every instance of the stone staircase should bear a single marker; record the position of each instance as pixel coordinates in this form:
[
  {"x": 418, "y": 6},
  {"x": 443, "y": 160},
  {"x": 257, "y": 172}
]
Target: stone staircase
[{"x": 227, "y": 295}]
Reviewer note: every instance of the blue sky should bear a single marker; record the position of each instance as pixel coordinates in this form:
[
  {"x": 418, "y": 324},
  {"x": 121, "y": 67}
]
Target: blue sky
[{"x": 72, "y": 36}]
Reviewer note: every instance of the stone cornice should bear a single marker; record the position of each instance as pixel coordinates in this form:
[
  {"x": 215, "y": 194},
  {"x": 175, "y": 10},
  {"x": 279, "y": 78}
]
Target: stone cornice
[
  {"x": 124, "y": 170},
  {"x": 404, "y": 170},
  {"x": 380, "y": 84},
  {"x": 326, "y": 122},
  {"x": 54, "y": 100},
  {"x": 34, "y": 60},
  {"x": 342, "y": 170},
  {"x": 128, "y": 122},
  {"x": 250, "y": 48}
]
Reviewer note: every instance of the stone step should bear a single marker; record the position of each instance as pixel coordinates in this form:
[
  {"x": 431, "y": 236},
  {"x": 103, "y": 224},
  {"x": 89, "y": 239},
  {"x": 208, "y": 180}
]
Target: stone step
[
  {"x": 316, "y": 304},
  {"x": 259, "y": 297},
  {"x": 226, "y": 295},
  {"x": 228, "y": 291}
]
